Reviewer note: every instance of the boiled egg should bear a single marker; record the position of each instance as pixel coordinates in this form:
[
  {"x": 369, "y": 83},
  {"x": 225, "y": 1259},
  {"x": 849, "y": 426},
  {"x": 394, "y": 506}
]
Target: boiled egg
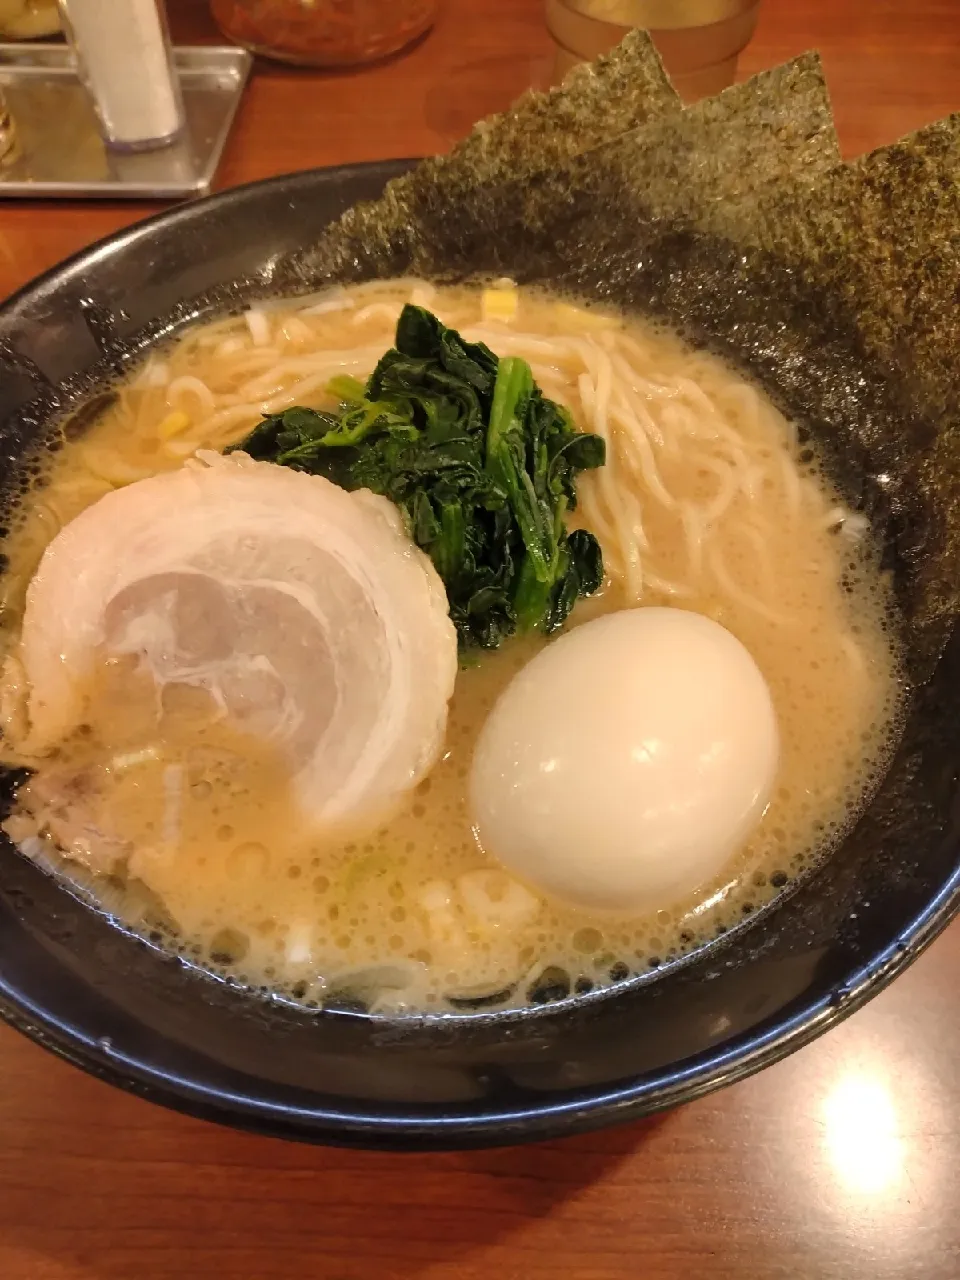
[{"x": 627, "y": 762}]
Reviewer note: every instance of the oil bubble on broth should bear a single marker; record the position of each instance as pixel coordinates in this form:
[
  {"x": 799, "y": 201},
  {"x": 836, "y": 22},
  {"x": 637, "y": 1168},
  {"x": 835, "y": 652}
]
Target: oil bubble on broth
[{"x": 706, "y": 502}]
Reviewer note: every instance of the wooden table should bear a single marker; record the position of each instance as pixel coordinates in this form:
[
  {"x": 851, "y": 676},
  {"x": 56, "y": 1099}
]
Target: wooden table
[{"x": 839, "y": 1162}]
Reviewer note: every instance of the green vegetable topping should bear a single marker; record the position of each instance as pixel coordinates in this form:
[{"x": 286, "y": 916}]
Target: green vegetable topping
[{"x": 481, "y": 464}]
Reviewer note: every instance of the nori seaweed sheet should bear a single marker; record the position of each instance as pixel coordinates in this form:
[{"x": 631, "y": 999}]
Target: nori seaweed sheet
[
  {"x": 698, "y": 164},
  {"x": 596, "y": 102},
  {"x": 879, "y": 241}
]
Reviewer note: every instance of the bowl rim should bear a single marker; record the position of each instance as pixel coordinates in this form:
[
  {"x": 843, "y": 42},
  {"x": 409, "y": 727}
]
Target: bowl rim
[
  {"x": 540, "y": 1120},
  {"x": 543, "y": 1117}
]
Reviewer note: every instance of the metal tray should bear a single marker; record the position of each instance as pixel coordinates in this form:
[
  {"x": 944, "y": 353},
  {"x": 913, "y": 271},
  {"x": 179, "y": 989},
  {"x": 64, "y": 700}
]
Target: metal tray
[{"x": 62, "y": 153}]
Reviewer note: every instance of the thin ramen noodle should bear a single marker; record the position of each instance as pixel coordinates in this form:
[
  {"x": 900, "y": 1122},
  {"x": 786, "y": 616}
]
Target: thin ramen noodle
[{"x": 706, "y": 501}]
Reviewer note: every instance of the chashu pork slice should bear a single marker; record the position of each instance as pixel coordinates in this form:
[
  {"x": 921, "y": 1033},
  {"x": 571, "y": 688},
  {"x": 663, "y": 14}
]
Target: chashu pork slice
[{"x": 305, "y": 611}]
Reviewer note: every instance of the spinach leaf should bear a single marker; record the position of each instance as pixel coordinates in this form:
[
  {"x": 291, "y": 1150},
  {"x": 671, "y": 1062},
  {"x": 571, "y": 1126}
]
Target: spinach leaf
[{"x": 481, "y": 464}]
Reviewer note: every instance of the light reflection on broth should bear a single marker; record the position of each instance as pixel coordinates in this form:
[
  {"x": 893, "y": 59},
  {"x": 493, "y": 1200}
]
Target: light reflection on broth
[{"x": 710, "y": 507}]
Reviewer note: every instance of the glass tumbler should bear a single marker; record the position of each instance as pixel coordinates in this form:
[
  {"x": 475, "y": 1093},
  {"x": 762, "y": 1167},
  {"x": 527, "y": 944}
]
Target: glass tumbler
[
  {"x": 324, "y": 33},
  {"x": 699, "y": 40},
  {"x": 28, "y": 19}
]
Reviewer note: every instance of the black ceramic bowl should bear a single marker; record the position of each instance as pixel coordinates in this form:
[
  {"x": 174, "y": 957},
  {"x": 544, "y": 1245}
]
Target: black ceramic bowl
[{"x": 137, "y": 1018}]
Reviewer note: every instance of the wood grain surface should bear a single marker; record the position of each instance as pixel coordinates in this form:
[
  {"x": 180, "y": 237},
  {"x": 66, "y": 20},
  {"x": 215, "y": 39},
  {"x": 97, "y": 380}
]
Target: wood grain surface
[{"x": 840, "y": 1162}]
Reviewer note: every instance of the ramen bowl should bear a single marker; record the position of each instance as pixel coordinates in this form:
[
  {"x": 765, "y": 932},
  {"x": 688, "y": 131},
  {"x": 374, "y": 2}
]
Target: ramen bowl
[{"x": 132, "y": 1014}]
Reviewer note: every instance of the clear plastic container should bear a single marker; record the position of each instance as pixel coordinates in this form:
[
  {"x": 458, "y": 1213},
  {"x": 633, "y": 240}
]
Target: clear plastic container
[{"x": 324, "y": 33}]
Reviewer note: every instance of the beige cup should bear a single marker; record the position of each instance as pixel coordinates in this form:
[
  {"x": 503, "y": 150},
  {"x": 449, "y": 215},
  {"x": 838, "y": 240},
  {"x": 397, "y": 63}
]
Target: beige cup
[{"x": 699, "y": 40}]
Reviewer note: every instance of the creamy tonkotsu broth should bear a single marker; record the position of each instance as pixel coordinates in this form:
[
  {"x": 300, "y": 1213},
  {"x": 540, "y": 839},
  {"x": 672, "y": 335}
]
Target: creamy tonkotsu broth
[{"x": 707, "y": 501}]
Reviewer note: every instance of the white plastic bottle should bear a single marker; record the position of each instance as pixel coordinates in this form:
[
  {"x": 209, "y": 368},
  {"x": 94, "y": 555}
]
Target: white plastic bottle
[{"x": 124, "y": 57}]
